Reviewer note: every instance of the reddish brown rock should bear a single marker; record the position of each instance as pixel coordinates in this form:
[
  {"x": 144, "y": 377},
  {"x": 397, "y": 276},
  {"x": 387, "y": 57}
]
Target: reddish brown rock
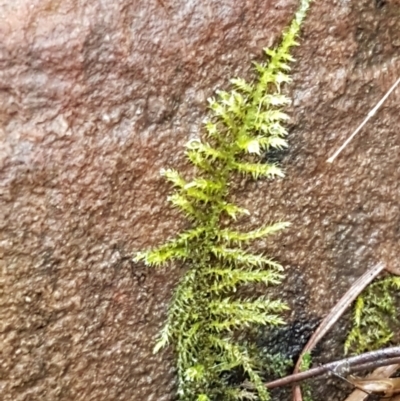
[{"x": 96, "y": 97}]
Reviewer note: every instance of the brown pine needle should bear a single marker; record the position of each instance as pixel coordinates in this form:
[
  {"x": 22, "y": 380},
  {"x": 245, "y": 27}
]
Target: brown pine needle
[{"x": 369, "y": 115}]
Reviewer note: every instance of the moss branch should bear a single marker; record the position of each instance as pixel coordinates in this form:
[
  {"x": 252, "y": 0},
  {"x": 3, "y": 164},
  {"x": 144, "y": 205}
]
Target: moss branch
[{"x": 205, "y": 312}]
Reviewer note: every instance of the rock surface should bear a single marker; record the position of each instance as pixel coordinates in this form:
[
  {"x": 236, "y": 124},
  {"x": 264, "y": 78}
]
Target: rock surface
[{"x": 97, "y": 96}]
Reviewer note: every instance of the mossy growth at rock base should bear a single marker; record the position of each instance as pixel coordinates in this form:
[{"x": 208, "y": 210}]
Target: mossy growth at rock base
[
  {"x": 374, "y": 313},
  {"x": 205, "y": 312}
]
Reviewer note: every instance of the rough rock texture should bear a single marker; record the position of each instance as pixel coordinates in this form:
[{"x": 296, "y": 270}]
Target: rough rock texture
[{"x": 97, "y": 96}]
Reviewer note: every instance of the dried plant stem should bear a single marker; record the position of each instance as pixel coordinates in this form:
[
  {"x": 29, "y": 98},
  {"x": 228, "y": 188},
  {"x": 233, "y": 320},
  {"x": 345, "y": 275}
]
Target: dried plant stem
[
  {"x": 369, "y": 115},
  {"x": 369, "y": 360},
  {"x": 334, "y": 316},
  {"x": 385, "y": 369},
  {"x": 381, "y": 373}
]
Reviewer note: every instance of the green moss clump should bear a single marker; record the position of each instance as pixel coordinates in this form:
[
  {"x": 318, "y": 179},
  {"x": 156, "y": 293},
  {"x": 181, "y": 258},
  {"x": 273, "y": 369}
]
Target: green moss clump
[
  {"x": 373, "y": 315},
  {"x": 306, "y": 363},
  {"x": 205, "y": 312}
]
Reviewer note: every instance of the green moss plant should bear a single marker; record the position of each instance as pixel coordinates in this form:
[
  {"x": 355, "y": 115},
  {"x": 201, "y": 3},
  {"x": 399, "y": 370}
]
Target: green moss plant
[
  {"x": 306, "y": 362},
  {"x": 374, "y": 315},
  {"x": 206, "y": 313}
]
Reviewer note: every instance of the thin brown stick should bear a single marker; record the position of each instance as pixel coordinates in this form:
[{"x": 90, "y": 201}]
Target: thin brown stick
[
  {"x": 384, "y": 368},
  {"x": 369, "y": 360},
  {"x": 334, "y": 316}
]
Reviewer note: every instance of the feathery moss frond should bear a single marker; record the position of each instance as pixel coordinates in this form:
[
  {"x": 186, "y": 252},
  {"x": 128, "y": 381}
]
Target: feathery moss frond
[
  {"x": 256, "y": 145},
  {"x": 237, "y": 256},
  {"x": 162, "y": 255},
  {"x": 205, "y": 312},
  {"x": 232, "y": 210},
  {"x": 237, "y": 237},
  {"x": 257, "y": 170},
  {"x": 229, "y": 279}
]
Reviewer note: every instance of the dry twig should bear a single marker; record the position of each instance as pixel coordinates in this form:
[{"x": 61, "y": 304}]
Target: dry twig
[
  {"x": 334, "y": 315},
  {"x": 369, "y": 360}
]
